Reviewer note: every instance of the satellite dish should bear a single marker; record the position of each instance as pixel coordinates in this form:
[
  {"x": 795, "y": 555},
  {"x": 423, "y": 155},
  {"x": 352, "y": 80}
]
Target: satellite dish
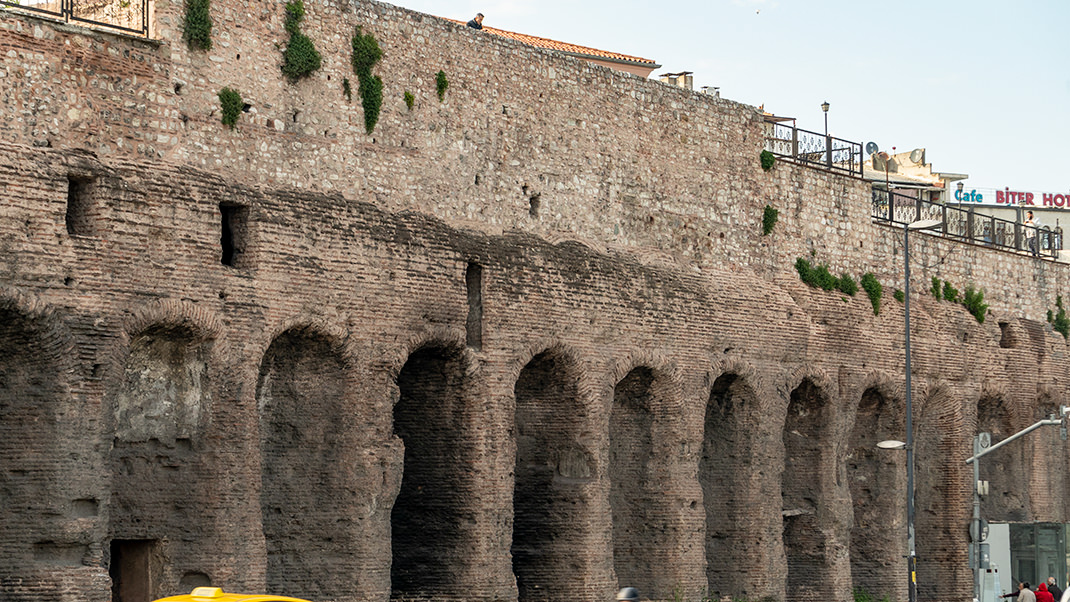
[
  {"x": 871, "y": 147},
  {"x": 918, "y": 156}
]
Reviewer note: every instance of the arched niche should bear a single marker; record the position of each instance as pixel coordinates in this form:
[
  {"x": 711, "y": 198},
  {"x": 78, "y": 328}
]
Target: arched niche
[
  {"x": 723, "y": 470},
  {"x": 804, "y": 491},
  {"x": 552, "y": 472},
  {"x": 874, "y": 475},
  {"x": 306, "y": 499},
  {"x": 630, "y": 457},
  {"x": 429, "y": 540}
]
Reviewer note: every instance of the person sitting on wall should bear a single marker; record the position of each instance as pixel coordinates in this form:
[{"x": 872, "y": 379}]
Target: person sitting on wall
[{"x": 476, "y": 22}]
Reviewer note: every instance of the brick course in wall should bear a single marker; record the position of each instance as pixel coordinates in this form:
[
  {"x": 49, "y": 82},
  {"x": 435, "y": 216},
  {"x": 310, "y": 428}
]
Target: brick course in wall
[{"x": 654, "y": 395}]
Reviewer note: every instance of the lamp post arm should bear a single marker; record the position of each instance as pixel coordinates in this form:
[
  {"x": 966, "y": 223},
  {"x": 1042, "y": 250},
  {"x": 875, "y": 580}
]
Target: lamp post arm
[{"x": 1023, "y": 432}]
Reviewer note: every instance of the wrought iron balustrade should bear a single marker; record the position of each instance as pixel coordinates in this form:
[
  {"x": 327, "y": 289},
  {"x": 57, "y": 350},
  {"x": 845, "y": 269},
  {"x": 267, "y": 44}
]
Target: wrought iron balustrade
[
  {"x": 813, "y": 149},
  {"x": 129, "y": 16},
  {"x": 966, "y": 225}
]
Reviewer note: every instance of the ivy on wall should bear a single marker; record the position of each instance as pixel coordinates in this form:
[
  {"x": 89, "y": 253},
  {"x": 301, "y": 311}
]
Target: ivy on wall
[
  {"x": 300, "y": 58},
  {"x": 768, "y": 159},
  {"x": 366, "y": 53},
  {"x": 769, "y": 218},
  {"x": 197, "y": 27},
  {"x": 230, "y": 101},
  {"x": 441, "y": 84}
]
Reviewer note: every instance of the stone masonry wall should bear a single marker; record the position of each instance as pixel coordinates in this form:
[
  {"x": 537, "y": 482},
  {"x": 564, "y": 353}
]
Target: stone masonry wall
[{"x": 626, "y": 295}]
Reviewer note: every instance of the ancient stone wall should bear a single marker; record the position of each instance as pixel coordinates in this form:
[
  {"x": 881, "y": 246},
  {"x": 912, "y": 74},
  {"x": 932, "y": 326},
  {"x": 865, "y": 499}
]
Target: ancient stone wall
[{"x": 526, "y": 343}]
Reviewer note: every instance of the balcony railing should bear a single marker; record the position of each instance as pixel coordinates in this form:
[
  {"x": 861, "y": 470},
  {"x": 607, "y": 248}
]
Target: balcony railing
[
  {"x": 813, "y": 149},
  {"x": 128, "y": 16},
  {"x": 964, "y": 224}
]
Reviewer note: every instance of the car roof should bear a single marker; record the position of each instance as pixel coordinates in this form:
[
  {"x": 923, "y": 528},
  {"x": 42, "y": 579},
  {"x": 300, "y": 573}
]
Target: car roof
[{"x": 215, "y": 594}]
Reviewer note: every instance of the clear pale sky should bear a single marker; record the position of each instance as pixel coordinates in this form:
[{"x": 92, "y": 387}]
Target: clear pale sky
[{"x": 984, "y": 86}]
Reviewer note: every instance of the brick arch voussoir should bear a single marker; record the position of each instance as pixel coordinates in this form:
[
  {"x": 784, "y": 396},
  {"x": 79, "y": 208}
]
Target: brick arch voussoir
[
  {"x": 820, "y": 378},
  {"x": 332, "y": 332},
  {"x": 752, "y": 380},
  {"x": 203, "y": 325},
  {"x": 572, "y": 358},
  {"x": 451, "y": 338},
  {"x": 582, "y": 371},
  {"x": 50, "y": 332},
  {"x": 668, "y": 378},
  {"x": 890, "y": 387}
]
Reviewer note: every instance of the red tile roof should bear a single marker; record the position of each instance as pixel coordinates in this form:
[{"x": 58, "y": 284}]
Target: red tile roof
[{"x": 573, "y": 49}]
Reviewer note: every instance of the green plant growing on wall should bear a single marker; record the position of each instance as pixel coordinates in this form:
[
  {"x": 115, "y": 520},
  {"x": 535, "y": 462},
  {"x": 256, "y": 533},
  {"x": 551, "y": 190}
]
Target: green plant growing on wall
[
  {"x": 410, "y": 100},
  {"x": 950, "y": 293},
  {"x": 847, "y": 285},
  {"x": 441, "y": 83},
  {"x": 231, "y": 103},
  {"x": 974, "y": 301},
  {"x": 862, "y": 595},
  {"x": 300, "y": 58},
  {"x": 1061, "y": 323},
  {"x": 874, "y": 290},
  {"x": 366, "y": 53},
  {"x": 197, "y": 27},
  {"x": 768, "y": 159},
  {"x": 769, "y": 218},
  {"x": 347, "y": 89},
  {"x": 898, "y": 295},
  {"x": 935, "y": 288},
  {"x": 819, "y": 277}
]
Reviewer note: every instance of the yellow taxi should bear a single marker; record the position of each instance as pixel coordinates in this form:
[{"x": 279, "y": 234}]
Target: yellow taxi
[{"x": 215, "y": 594}]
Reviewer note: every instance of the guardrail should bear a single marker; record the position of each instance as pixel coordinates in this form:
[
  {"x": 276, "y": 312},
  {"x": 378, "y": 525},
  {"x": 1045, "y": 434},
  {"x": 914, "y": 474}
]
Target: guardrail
[
  {"x": 965, "y": 224},
  {"x": 129, "y": 16},
  {"x": 813, "y": 149}
]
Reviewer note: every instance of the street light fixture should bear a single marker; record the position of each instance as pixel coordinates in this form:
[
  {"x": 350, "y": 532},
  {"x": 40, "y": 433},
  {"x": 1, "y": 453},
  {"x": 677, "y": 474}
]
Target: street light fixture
[
  {"x": 982, "y": 446},
  {"x": 825, "y": 109},
  {"x": 912, "y": 559}
]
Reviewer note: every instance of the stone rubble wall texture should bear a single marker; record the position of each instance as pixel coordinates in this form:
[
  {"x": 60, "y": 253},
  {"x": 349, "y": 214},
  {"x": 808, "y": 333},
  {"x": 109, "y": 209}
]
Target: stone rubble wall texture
[{"x": 655, "y": 399}]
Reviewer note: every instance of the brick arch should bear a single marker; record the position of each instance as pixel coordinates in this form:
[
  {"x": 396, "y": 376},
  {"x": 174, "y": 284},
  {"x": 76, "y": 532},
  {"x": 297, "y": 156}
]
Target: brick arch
[
  {"x": 727, "y": 466},
  {"x": 437, "y": 418},
  {"x": 639, "y": 510},
  {"x": 1047, "y": 456},
  {"x": 308, "y": 429},
  {"x": 808, "y": 487},
  {"x": 1004, "y": 469},
  {"x": 877, "y": 539},
  {"x": 160, "y": 383},
  {"x": 36, "y": 405},
  {"x": 942, "y": 443},
  {"x": 555, "y": 476}
]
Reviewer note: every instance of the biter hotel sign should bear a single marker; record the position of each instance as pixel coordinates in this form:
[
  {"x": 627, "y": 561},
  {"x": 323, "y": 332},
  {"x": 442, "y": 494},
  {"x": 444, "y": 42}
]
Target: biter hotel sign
[{"x": 1009, "y": 197}]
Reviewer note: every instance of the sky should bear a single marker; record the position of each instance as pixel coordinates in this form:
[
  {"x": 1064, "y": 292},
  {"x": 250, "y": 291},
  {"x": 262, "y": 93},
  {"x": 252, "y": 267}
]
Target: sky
[{"x": 983, "y": 86}]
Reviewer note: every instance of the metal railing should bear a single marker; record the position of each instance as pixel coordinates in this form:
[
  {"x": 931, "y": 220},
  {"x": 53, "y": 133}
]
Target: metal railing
[
  {"x": 813, "y": 149},
  {"x": 129, "y": 16},
  {"x": 964, "y": 224}
]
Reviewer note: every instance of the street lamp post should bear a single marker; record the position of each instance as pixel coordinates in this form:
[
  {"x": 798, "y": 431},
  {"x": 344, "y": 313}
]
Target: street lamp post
[
  {"x": 828, "y": 141},
  {"x": 981, "y": 448},
  {"x": 912, "y": 591}
]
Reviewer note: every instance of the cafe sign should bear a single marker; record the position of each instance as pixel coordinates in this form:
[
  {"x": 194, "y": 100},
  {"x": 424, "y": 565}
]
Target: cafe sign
[{"x": 1008, "y": 197}]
